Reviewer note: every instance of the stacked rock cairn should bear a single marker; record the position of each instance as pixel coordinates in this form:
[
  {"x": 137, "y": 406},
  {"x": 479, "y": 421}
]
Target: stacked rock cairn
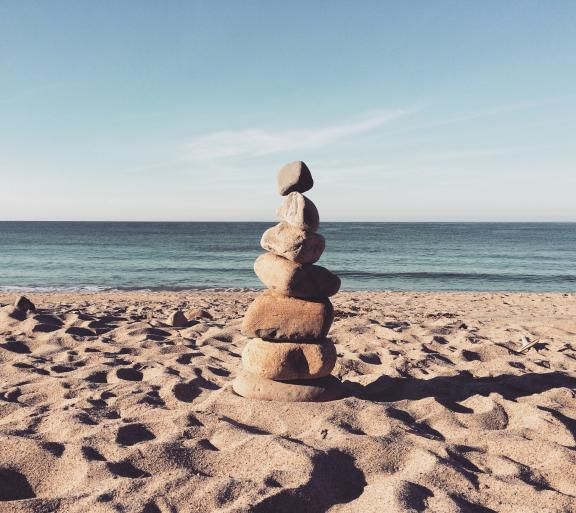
[{"x": 288, "y": 357}]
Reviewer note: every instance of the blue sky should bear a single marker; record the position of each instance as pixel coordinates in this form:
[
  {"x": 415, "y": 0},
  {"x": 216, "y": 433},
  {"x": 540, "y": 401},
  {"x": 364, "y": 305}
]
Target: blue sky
[{"x": 417, "y": 110}]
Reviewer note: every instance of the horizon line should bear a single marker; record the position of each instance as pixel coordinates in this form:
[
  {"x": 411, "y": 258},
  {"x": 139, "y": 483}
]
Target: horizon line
[{"x": 431, "y": 221}]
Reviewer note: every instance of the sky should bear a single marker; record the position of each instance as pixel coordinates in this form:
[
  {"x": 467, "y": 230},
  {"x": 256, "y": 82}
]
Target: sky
[{"x": 185, "y": 110}]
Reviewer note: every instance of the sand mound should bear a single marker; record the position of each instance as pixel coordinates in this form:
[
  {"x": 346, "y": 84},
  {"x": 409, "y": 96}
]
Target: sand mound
[{"x": 105, "y": 407}]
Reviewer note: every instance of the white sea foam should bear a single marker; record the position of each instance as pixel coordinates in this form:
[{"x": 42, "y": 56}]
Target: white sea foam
[{"x": 87, "y": 288}]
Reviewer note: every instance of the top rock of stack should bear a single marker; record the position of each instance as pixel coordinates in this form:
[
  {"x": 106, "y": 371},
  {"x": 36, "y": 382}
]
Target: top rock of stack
[{"x": 294, "y": 177}]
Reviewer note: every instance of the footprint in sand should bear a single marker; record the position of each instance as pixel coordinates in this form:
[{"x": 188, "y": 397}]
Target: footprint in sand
[
  {"x": 486, "y": 413},
  {"x": 133, "y": 434},
  {"x": 125, "y": 374},
  {"x": 14, "y": 486},
  {"x": 16, "y": 347},
  {"x": 127, "y": 469},
  {"x": 91, "y": 454}
]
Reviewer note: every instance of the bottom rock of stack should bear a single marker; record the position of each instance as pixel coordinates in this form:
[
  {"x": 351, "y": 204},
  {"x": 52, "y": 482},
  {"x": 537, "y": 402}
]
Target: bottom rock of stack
[{"x": 252, "y": 386}]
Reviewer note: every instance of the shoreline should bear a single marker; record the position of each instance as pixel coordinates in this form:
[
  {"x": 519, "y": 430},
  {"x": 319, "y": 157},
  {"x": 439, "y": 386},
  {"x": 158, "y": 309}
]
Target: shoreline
[{"x": 16, "y": 291}]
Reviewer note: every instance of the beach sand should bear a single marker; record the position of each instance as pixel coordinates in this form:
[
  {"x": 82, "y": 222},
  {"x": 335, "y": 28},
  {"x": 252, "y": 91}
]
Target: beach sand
[{"x": 105, "y": 408}]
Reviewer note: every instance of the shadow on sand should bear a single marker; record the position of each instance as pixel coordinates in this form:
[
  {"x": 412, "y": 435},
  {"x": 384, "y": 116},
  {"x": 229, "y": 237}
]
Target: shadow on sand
[{"x": 450, "y": 390}]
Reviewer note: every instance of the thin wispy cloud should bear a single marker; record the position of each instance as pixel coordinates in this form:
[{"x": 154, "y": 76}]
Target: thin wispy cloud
[
  {"x": 500, "y": 109},
  {"x": 471, "y": 116},
  {"x": 255, "y": 142}
]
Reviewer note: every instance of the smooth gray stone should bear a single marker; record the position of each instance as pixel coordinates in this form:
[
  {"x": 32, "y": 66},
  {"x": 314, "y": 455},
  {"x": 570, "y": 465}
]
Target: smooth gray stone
[
  {"x": 298, "y": 211},
  {"x": 294, "y": 244},
  {"x": 294, "y": 177}
]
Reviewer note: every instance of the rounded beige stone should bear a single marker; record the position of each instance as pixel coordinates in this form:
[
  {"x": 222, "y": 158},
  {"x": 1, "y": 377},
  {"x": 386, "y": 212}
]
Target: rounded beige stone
[
  {"x": 177, "y": 319},
  {"x": 300, "y": 212},
  {"x": 297, "y": 280},
  {"x": 294, "y": 177},
  {"x": 289, "y": 360},
  {"x": 294, "y": 244},
  {"x": 252, "y": 386},
  {"x": 272, "y": 316}
]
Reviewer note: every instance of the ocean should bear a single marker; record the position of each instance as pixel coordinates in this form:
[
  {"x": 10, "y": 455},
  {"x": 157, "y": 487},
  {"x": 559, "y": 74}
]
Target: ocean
[{"x": 46, "y": 256}]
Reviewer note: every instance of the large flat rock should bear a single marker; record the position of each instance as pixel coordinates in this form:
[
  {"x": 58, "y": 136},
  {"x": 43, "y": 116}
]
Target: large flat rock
[
  {"x": 297, "y": 280},
  {"x": 273, "y": 316},
  {"x": 289, "y": 360},
  {"x": 313, "y": 390},
  {"x": 294, "y": 244}
]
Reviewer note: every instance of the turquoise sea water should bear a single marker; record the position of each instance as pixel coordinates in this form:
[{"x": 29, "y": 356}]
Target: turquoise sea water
[{"x": 374, "y": 256}]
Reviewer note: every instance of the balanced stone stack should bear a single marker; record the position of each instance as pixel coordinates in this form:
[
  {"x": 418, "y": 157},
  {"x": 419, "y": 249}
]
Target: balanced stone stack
[{"x": 289, "y": 357}]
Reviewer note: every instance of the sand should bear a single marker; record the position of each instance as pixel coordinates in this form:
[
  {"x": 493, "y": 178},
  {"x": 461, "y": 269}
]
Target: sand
[{"x": 104, "y": 408}]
